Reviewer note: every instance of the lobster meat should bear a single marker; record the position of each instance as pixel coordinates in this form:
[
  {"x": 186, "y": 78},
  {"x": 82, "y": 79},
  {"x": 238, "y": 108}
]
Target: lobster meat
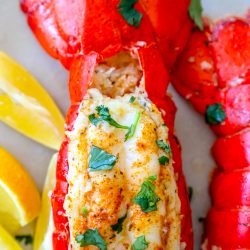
[
  {"x": 213, "y": 73},
  {"x": 89, "y": 37}
]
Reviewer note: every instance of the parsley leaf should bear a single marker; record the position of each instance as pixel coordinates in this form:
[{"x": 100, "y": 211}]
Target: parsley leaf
[
  {"x": 190, "y": 193},
  {"x": 163, "y": 160},
  {"x": 147, "y": 198},
  {"x": 27, "y": 239},
  {"x": 91, "y": 237},
  {"x": 140, "y": 243},
  {"x": 104, "y": 115},
  {"x": 165, "y": 146},
  {"x": 118, "y": 226},
  {"x": 195, "y": 12},
  {"x": 132, "y": 99},
  {"x": 215, "y": 114},
  {"x": 132, "y": 128},
  {"x": 85, "y": 211},
  {"x": 101, "y": 160},
  {"x": 130, "y": 14}
]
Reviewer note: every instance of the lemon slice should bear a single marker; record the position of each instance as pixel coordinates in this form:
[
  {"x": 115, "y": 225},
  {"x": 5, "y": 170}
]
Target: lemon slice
[
  {"x": 45, "y": 225},
  {"x": 26, "y": 106},
  {"x": 19, "y": 197},
  {"x": 7, "y": 242}
]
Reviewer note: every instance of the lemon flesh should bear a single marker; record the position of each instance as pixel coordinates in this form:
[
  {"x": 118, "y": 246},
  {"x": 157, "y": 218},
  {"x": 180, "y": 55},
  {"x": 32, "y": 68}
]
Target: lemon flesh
[
  {"x": 27, "y": 107},
  {"x": 7, "y": 242},
  {"x": 19, "y": 196},
  {"x": 45, "y": 225}
]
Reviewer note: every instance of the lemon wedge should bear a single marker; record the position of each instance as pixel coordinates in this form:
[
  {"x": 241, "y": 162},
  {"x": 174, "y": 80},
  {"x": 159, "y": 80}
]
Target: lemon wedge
[
  {"x": 7, "y": 242},
  {"x": 19, "y": 197},
  {"x": 45, "y": 225},
  {"x": 26, "y": 106}
]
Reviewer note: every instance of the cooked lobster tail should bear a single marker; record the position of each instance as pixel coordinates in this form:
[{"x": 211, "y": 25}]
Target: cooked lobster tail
[
  {"x": 94, "y": 40},
  {"x": 60, "y": 27},
  {"x": 213, "y": 73}
]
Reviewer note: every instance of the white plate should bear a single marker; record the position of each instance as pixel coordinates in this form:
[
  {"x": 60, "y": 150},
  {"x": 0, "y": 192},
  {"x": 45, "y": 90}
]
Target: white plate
[{"x": 17, "y": 40}]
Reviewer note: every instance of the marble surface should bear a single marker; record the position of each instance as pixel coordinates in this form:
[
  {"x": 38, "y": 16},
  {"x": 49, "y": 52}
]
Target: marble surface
[{"x": 17, "y": 40}]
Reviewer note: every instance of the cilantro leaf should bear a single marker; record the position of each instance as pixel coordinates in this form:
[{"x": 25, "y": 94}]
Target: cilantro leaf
[
  {"x": 215, "y": 114},
  {"x": 100, "y": 159},
  {"x": 132, "y": 128},
  {"x": 132, "y": 99},
  {"x": 163, "y": 160},
  {"x": 85, "y": 211},
  {"x": 190, "y": 193},
  {"x": 118, "y": 226},
  {"x": 26, "y": 239},
  {"x": 94, "y": 120},
  {"x": 140, "y": 243},
  {"x": 164, "y": 146},
  {"x": 104, "y": 115},
  {"x": 130, "y": 14},
  {"x": 147, "y": 198},
  {"x": 91, "y": 237},
  {"x": 195, "y": 12}
]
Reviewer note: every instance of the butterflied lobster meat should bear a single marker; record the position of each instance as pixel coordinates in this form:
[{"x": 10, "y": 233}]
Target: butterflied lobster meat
[
  {"x": 120, "y": 160},
  {"x": 213, "y": 73},
  {"x": 119, "y": 176}
]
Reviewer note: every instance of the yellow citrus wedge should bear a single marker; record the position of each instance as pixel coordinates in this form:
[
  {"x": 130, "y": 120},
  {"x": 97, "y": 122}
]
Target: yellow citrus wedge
[
  {"x": 45, "y": 226},
  {"x": 19, "y": 196},
  {"x": 7, "y": 242},
  {"x": 26, "y": 106}
]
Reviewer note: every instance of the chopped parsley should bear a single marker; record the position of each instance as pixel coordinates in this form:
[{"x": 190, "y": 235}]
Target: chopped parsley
[
  {"x": 215, "y": 114},
  {"x": 132, "y": 128},
  {"x": 26, "y": 239},
  {"x": 163, "y": 160},
  {"x": 164, "y": 146},
  {"x": 132, "y": 99},
  {"x": 195, "y": 12},
  {"x": 100, "y": 159},
  {"x": 140, "y": 243},
  {"x": 118, "y": 226},
  {"x": 147, "y": 198},
  {"x": 91, "y": 238},
  {"x": 190, "y": 193},
  {"x": 104, "y": 115},
  {"x": 85, "y": 211},
  {"x": 129, "y": 13}
]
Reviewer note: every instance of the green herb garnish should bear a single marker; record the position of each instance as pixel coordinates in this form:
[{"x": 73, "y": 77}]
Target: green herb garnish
[
  {"x": 163, "y": 160},
  {"x": 132, "y": 128},
  {"x": 100, "y": 159},
  {"x": 118, "y": 226},
  {"x": 104, "y": 115},
  {"x": 140, "y": 243},
  {"x": 132, "y": 99},
  {"x": 91, "y": 237},
  {"x": 130, "y": 14},
  {"x": 195, "y": 12},
  {"x": 147, "y": 198},
  {"x": 26, "y": 239},
  {"x": 190, "y": 193},
  {"x": 85, "y": 211},
  {"x": 215, "y": 114},
  {"x": 164, "y": 146}
]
